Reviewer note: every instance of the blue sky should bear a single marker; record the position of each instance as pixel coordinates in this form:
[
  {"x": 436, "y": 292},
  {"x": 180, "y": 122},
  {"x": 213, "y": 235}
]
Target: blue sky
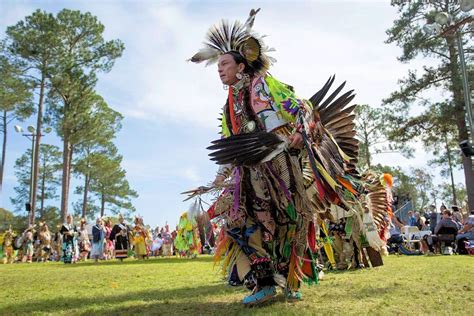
[{"x": 171, "y": 106}]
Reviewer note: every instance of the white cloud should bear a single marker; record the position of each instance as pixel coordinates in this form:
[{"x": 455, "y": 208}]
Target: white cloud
[
  {"x": 191, "y": 174},
  {"x": 159, "y": 84}
]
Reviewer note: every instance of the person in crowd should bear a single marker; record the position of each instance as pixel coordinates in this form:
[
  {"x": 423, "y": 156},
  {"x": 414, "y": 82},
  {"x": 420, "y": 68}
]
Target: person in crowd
[
  {"x": 84, "y": 242},
  {"x": 139, "y": 234},
  {"x": 156, "y": 232},
  {"x": 174, "y": 234},
  {"x": 44, "y": 237},
  {"x": 120, "y": 236},
  {"x": 148, "y": 241},
  {"x": 465, "y": 233},
  {"x": 109, "y": 243},
  {"x": 157, "y": 244},
  {"x": 419, "y": 222},
  {"x": 396, "y": 227},
  {"x": 411, "y": 219},
  {"x": 434, "y": 218},
  {"x": 445, "y": 222},
  {"x": 98, "y": 240},
  {"x": 28, "y": 247},
  {"x": 457, "y": 216},
  {"x": 167, "y": 241},
  {"x": 68, "y": 232},
  {"x": 8, "y": 252},
  {"x": 58, "y": 244}
]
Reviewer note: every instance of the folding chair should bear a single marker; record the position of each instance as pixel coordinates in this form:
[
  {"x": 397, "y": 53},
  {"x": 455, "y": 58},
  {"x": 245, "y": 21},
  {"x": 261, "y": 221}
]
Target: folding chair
[{"x": 447, "y": 237}]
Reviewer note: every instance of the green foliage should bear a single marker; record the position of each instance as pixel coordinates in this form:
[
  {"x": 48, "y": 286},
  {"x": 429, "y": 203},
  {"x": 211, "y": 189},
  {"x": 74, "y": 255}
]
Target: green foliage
[
  {"x": 372, "y": 126},
  {"x": 33, "y": 42},
  {"x": 50, "y": 215},
  {"x": 15, "y": 101},
  {"x": 15, "y": 92},
  {"x": 6, "y": 218},
  {"x": 440, "y": 125},
  {"x": 65, "y": 52},
  {"x": 445, "y": 193},
  {"x": 181, "y": 287},
  {"x": 92, "y": 154},
  {"x": 407, "y": 33},
  {"x": 109, "y": 184},
  {"x": 83, "y": 52},
  {"x": 50, "y": 164},
  {"x": 415, "y": 186}
]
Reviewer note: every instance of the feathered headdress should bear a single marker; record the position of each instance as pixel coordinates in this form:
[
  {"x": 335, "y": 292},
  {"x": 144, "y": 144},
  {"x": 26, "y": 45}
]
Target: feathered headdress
[{"x": 225, "y": 37}]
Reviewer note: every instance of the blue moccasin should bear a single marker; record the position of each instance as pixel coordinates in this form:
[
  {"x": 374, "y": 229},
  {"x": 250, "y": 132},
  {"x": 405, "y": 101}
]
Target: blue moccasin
[{"x": 261, "y": 296}]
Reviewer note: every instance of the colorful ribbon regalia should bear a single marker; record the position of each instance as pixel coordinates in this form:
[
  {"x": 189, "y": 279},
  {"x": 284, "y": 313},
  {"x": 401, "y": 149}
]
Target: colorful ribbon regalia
[
  {"x": 187, "y": 240},
  {"x": 139, "y": 237},
  {"x": 8, "y": 251},
  {"x": 275, "y": 196}
]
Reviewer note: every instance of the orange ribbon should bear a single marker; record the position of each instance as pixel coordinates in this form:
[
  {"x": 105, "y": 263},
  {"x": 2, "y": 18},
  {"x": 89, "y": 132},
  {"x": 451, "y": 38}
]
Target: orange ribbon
[{"x": 235, "y": 129}]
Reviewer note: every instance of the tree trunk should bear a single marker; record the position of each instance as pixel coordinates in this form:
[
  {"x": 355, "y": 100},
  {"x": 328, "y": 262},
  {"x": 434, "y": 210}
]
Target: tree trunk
[
  {"x": 102, "y": 205},
  {"x": 71, "y": 151},
  {"x": 4, "y": 148},
  {"x": 65, "y": 177},
  {"x": 84, "y": 200},
  {"x": 450, "y": 164},
  {"x": 460, "y": 112},
  {"x": 367, "y": 149},
  {"x": 43, "y": 189},
  {"x": 39, "y": 122}
]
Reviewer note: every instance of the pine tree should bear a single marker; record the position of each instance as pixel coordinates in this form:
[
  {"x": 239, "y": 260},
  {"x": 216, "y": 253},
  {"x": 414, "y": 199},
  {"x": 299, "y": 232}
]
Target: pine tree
[
  {"x": 15, "y": 102},
  {"x": 83, "y": 53},
  {"x": 407, "y": 32},
  {"x": 50, "y": 165},
  {"x": 372, "y": 132},
  {"x": 110, "y": 186},
  {"x": 33, "y": 43}
]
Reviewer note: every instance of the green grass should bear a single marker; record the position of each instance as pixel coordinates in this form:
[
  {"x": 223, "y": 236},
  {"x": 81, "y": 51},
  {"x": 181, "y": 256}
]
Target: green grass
[{"x": 404, "y": 285}]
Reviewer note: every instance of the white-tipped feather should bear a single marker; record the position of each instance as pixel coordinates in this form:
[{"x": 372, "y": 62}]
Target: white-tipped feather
[
  {"x": 224, "y": 37},
  {"x": 204, "y": 54},
  {"x": 280, "y": 148},
  {"x": 249, "y": 23},
  {"x": 371, "y": 233},
  {"x": 280, "y": 280}
]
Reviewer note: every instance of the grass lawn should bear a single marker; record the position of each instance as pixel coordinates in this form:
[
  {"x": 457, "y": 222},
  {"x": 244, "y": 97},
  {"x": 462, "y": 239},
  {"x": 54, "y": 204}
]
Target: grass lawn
[{"x": 404, "y": 285}]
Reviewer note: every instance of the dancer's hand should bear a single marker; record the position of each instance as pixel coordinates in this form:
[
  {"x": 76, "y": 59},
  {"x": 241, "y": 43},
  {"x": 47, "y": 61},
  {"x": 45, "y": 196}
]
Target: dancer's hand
[{"x": 296, "y": 140}]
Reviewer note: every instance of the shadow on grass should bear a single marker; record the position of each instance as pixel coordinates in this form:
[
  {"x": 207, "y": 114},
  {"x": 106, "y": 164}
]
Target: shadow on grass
[
  {"x": 156, "y": 300},
  {"x": 190, "y": 307},
  {"x": 128, "y": 261}
]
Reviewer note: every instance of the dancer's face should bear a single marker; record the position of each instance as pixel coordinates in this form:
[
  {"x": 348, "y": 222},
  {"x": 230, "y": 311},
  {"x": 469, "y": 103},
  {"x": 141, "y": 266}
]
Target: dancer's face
[{"x": 228, "y": 68}]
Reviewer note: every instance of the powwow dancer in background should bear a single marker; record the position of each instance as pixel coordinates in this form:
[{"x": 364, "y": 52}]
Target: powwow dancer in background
[
  {"x": 68, "y": 232},
  {"x": 84, "y": 242},
  {"x": 187, "y": 239},
  {"x": 275, "y": 190},
  {"x": 44, "y": 237},
  {"x": 8, "y": 252},
  {"x": 167, "y": 241},
  {"x": 98, "y": 240},
  {"x": 58, "y": 244},
  {"x": 139, "y": 234},
  {"x": 28, "y": 246},
  {"x": 109, "y": 242},
  {"x": 120, "y": 234}
]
